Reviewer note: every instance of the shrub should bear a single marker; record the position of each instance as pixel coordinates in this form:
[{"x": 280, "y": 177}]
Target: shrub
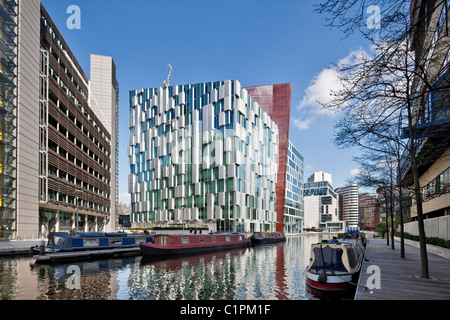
[{"x": 430, "y": 240}]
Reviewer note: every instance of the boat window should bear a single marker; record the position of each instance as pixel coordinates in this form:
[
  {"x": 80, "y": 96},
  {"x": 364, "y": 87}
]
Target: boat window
[
  {"x": 332, "y": 259},
  {"x": 227, "y": 238},
  {"x": 352, "y": 257},
  {"x": 214, "y": 239},
  {"x": 240, "y": 238},
  {"x": 184, "y": 240},
  {"x": 202, "y": 239}
]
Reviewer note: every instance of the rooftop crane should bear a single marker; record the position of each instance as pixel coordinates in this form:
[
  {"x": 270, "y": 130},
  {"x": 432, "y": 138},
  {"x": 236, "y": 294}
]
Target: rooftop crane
[{"x": 166, "y": 82}]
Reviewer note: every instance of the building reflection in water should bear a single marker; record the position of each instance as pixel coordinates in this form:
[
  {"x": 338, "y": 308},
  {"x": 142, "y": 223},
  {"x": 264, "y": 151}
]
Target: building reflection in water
[{"x": 266, "y": 272}]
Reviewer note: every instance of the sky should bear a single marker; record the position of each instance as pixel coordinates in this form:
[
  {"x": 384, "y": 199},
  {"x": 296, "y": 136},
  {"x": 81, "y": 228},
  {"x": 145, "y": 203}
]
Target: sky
[{"x": 257, "y": 42}]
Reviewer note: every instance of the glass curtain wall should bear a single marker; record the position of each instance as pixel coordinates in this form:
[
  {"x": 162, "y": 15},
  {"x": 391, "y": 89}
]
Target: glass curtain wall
[{"x": 8, "y": 108}]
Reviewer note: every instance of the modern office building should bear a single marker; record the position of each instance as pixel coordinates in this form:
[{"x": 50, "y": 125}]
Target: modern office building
[
  {"x": 321, "y": 203},
  {"x": 54, "y": 148},
  {"x": 202, "y": 155},
  {"x": 276, "y": 101},
  {"x": 81, "y": 152},
  {"x": 348, "y": 205},
  {"x": 293, "y": 208},
  {"x": 14, "y": 50}
]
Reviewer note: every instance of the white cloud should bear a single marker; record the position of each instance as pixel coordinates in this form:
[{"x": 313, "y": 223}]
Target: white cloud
[
  {"x": 125, "y": 197},
  {"x": 303, "y": 124},
  {"x": 355, "y": 172},
  {"x": 321, "y": 90}
]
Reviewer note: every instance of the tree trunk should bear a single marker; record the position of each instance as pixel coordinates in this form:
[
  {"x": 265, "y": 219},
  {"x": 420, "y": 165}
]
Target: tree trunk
[
  {"x": 387, "y": 218},
  {"x": 418, "y": 197},
  {"x": 391, "y": 205}
]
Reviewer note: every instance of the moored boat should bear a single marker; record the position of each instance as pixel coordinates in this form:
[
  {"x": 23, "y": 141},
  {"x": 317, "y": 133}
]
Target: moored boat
[
  {"x": 267, "y": 237},
  {"x": 335, "y": 265},
  {"x": 170, "y": 244},
  {"x": 64, "y": 242}
]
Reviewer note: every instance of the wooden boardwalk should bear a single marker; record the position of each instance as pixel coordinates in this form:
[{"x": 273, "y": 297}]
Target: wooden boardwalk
[{"x": 400, "y": 278}]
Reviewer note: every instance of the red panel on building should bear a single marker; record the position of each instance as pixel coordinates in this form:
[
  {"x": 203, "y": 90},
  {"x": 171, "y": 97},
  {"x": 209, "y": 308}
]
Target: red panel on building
[{"x": 276, "y": 101}]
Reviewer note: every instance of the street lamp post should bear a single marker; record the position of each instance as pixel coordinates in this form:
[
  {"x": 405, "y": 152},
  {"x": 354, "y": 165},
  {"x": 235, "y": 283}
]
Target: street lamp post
[{"x": 78, "y": 198}]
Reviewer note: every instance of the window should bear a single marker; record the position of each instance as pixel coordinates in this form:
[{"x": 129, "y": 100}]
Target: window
[
  {"x": 202, "y": 239},
  {"x": 227, "y": 238},
  {"x": 184, "y": 240}
]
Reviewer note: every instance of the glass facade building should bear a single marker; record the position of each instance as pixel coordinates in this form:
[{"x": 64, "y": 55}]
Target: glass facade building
[
  {"x": 202, "y": 155},
  {"x": 293, "y": 209},
  {"x": 8, "y": 116}
]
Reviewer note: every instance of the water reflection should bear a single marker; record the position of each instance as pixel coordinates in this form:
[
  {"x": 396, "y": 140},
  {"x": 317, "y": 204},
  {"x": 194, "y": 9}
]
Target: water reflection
[{"x": 267, "y": 272}]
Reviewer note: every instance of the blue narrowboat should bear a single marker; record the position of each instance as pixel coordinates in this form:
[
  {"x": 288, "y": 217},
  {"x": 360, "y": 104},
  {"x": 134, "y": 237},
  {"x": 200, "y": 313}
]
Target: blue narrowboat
[{"x": 64, "y": 242}]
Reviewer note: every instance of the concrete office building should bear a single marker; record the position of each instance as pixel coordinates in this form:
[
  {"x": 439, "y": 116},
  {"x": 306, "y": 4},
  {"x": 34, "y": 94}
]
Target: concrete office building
[
  {"x": 348, "y": 204},
  {"x": 54, "y": 148},
  {"x": 202, "y": 155},
  {"x": 104, "y": 102}
]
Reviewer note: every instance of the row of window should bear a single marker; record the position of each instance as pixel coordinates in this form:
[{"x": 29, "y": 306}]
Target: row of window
[
  {"x": 69, "y": 199},
  {"x": 68, "y": 156},
  {"x": 61, "y": 46},
  {"x": 78, "y": 123},
  {"x": 78, "y": 182},
  {"x": 439, "y": 185},
  {"x": 78, "y": 143}
]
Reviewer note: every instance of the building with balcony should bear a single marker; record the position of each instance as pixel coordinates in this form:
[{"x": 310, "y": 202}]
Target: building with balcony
[
  {"x": 202, "y": 155},
  {"x": 430, "y": 42},
  {"x": 55, "y": 154}
]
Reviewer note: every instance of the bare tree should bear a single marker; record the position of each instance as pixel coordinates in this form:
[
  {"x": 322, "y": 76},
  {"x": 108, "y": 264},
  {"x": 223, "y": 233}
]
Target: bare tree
[{"x": 382, "y": 91}]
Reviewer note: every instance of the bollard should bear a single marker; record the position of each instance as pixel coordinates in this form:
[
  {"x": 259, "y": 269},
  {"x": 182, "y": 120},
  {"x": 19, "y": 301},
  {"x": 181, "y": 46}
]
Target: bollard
[{"x": 42, "y": 247}]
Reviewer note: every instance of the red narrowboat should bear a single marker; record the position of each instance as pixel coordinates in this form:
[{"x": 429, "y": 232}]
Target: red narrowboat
[{"x": 170, "y": 244}]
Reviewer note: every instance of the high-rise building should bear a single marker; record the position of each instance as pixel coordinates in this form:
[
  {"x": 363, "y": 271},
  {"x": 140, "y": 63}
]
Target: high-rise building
[
  {"x": 293, "y": 208},
  {"x": 276, "y": 101},
  {"x": 55, "y": 152},
  {"x": 19, "y": 118},
  {"x": 321, "y": 203},
  {"x": 104, "y": 102},
  {"x": 202, "y": 155},
  {"x": 348, "y": 204}
]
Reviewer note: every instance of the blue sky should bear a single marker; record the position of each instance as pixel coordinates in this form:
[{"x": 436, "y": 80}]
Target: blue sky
[{"x": 257, "y": 42}]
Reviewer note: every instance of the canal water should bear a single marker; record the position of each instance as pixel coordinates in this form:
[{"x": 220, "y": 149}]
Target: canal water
[{"x": 266, "y": 272}]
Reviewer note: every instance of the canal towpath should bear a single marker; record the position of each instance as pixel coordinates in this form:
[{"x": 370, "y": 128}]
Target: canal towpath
[
  {"x": 12, "y": 248},
  {"x": 400, "y": 279}
]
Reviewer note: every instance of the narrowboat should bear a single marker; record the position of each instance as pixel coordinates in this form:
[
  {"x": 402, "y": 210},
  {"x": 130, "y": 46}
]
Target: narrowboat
[
  {"x": 267, "y": 237},
  {"x": 64, "y": 242},
  {"x": 172, "y": 244},
  {"x": 335, "y": 265}
]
